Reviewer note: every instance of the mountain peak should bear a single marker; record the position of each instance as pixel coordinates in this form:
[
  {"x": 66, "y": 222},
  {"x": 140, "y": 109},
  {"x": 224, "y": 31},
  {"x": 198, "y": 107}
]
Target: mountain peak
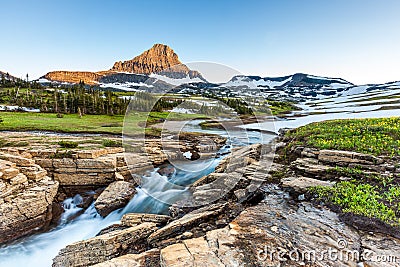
[
  {"x": 160, "y": 60},
  {"x": 157, "y": 59}
]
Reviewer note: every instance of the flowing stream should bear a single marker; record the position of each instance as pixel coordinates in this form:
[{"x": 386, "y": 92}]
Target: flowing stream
[
  {"x": 153, "y": 196},
  {"x": 157, "y": 190}
]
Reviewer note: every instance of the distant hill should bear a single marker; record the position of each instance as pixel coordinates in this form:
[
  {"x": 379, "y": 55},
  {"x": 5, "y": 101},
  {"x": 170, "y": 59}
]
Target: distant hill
[
  {"x": 295, "y": 80},
  {"x": 298, "y": 87},
  {"x": 7, "y": 76}
]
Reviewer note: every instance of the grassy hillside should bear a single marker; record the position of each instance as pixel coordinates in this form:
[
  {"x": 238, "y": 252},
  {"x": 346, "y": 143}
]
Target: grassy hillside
[
  {"x": 359, "y": 190},
  {"x": 72, "y": 123},
  {"x": 372, "y": 136}
]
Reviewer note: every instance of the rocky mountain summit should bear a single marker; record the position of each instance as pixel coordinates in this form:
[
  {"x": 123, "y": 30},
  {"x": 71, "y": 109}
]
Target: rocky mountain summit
[{"x": 159, "y": 60}]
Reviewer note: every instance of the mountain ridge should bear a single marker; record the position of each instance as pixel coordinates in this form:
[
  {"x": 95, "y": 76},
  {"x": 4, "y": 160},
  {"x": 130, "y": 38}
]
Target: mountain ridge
[
  {"x": 294, "y": 80},
  {"x": 159, "y": 59},
  {"x": 7, "y": 76}
]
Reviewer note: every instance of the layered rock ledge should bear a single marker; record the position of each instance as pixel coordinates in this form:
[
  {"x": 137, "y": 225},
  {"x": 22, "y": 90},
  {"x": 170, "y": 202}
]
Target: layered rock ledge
[
  {"x": 35, "y": 180},
  {"x": 252, "y": 212},
  {"x": 26, "y": 197}
]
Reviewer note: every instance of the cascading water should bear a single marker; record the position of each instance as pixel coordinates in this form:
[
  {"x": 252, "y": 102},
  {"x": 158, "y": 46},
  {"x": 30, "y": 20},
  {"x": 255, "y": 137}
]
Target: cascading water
[
  {"x": 152, "y": 196},
  {"x": 39, "y": 249},
  {"x": 75, "y": 224}
]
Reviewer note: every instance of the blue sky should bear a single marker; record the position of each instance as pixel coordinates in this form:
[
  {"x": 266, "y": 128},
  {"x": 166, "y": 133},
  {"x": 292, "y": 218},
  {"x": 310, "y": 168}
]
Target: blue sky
[{"x": 357, "y": 40}]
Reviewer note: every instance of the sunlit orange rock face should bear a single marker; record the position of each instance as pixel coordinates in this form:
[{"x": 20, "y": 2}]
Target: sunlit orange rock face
[
  {"x": 73, "y": 76},
  {"x": 158, "y": 59}
]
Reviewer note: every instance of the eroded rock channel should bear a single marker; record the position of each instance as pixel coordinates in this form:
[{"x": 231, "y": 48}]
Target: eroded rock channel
[{"x": 254, "y": 209}]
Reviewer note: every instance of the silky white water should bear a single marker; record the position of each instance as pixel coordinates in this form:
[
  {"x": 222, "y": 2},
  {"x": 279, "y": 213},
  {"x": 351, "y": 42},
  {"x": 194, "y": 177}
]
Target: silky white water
[{"x": 153, "y": 196}]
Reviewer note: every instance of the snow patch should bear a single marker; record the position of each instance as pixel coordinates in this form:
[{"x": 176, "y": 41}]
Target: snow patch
[
  {"x": 244, "y": 81},
  {"x": 356, "y": 90},
  {"x": 176, "y": 82},
  {"x": 128, "y": 86}
]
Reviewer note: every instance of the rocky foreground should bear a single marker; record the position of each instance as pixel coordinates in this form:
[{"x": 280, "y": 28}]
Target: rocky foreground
[
  {"x": 254, "y": 210},
  {"x": 269, "y": 225},
  {"x": 35, "y": 180}
]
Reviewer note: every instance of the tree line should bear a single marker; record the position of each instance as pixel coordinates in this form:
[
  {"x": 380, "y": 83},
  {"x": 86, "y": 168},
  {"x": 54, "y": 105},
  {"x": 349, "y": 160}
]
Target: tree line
[
  {"x": 81, "y": 99},
  {"x": 241, "y": 107},
  {"x": 72, "y": 99},
  {"x": 8, "y": 81}
]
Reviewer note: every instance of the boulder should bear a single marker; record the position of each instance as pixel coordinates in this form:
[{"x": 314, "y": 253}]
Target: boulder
[
  {"x": 186, "y": 222},
  {"x": 115, "y": 196},
  {"x": 301, "y": 184},
  {"x": 4, "y": 164},
  {"x": 19, "y": 179},
  {"x": 91, "y": 154},
  {"x": 34, "y": 173},
  {"x": 98, "y": 171},
  {"x": 104, "y": 247},
  {"x": 148, "y": 258},
  {"x": 192, "y": 252},
  {"x": 9, "y": 173},
  {"x": 105, "y": 163},
  {"x": 132, "y": 219},
  {"x": 27, "y": 209}
]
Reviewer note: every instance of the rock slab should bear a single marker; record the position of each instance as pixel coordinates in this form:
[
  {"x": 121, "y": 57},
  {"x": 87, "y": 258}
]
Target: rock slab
[{"x": 115, "y": 196}]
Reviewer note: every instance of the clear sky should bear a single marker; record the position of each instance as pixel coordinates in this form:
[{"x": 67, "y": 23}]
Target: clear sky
[{"x": 358, "y": 40}]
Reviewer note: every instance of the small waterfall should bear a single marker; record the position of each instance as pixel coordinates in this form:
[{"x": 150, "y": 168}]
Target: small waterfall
[
  {"x": 77, "y": 224},
  {"x": 39, "y": 249}
]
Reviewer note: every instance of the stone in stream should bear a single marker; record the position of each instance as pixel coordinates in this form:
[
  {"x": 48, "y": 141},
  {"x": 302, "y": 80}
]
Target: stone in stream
[
  {"x": 237, "y": 177},
  {"x": 105, "y": 247},
  {"x": 115, "y": 196},
  {"x": 132, "y": 219},
  {"x": 187, "y": 222}
]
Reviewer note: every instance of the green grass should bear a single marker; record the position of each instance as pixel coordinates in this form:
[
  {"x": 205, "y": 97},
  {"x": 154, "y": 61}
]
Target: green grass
[
  {"x": 112, "y": 143},
  {"x": 362, "y": 192},
  {"x": 8, "y": 143},
  {"x": 71, "y": 123},
  {"x": 281, "y": 107},
  {"x": 364, "y": 199},
  {"x": 21, "y": 121},
  {"x": 68, "y": 144},
  {"x": 371, "y": 136}
]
